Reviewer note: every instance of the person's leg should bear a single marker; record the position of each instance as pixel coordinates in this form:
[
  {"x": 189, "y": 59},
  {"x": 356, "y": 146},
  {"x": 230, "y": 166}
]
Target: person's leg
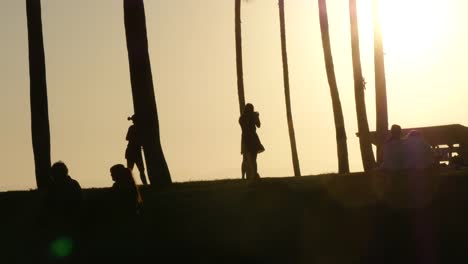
[
  {"x": 130, "y": 164},
  {"x": 244, "y": 166},
  {"x": 250, "y": 167},
  {"x": 141, "y": 169},
  {"x": 254, "y": 166}
]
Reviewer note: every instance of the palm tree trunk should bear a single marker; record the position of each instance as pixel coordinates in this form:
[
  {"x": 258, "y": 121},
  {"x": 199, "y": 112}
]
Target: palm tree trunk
[
  {"x": 38, "y": 94},
  {"x": 380, "y": 84},
  {"x": 240, "y": 73},
  {"x": 342, "y": 148},
  {"x": 367, "y": 154},
  {"x": 144, "y": 101},
  {"x": 292, "y": 137}
]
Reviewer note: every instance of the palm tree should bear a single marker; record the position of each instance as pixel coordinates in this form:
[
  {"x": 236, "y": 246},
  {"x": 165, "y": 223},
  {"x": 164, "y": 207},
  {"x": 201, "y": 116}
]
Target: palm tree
[
  {"x": 144, "y": 101},
  {"x": 240, "y": 73},
  {"x": 342, "y": 148},
  {"x": 292, "y": 138},
  {"x": 367, "y": 154},
  {"x": 380, "y": 86},
  {"x": 38, "y": 94}
]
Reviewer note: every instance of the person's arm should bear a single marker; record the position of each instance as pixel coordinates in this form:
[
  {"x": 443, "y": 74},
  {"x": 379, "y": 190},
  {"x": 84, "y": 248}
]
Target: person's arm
[{"x": 128, "y": 133}]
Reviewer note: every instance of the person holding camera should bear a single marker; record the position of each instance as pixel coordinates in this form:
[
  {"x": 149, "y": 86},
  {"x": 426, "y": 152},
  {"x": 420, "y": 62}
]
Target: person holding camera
[
  {"x": 250, "y": 143},
  {"x": 133, "y": 153}
]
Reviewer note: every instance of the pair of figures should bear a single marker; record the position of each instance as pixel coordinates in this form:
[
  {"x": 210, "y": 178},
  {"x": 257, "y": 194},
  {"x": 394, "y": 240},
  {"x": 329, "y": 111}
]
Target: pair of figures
[
  {"x": 250, "y": 142},
  {"x": 63, "y": 197},
  {"x": 406, "y": 152},
  {"x": 250, "y": 145}
]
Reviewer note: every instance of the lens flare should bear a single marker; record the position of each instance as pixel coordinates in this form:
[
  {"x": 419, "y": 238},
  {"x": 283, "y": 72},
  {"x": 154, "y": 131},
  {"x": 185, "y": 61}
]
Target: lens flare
[{"x": 61, "y": 247}]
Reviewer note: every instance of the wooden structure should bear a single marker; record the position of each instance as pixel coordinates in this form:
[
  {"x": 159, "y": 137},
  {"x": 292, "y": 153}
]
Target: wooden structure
[{"x": 446, "y": 140}]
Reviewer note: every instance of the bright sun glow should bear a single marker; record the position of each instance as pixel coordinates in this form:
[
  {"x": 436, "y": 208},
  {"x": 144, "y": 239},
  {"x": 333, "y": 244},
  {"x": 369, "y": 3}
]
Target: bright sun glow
[{"x": 414, "y": 28}]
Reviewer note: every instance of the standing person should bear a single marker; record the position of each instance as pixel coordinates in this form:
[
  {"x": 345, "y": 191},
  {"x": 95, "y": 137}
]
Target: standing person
[
  {"x": 250, "y": 143},
  {"x": 133, "y": 152}
]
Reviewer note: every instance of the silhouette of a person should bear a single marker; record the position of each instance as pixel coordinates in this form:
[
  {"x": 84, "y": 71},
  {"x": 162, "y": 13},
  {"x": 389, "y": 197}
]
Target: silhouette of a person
[
  {"x": 125, "y": 193},
  {"x": 63, "y": 208},
  {"x": 133, "y": 152},
  {"x": 250, "y": 142},
  {"x": 64, "y": 194},
  {"x": 394, "y": 151},
  {"x": 418, "y": 154}
]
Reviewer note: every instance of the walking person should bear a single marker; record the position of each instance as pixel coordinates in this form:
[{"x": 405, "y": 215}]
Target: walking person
[
  {"x": 63, "y": 212},
  {"x": 64, "y": 195},
  {"x": 125, "y": 193},
  {"x": 133, "y": 153},
  {"x": 250, "y": 142}
]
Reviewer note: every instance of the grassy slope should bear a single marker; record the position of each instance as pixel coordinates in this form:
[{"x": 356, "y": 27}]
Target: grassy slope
[{"x": 353, "y": 218}]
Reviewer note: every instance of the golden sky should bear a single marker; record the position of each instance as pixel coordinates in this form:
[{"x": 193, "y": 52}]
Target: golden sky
[{"x": 193, "y": 62}]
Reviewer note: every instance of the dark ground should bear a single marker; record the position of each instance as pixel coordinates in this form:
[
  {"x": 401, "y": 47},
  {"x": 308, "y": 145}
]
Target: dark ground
[{"x": 356, "y": 218}]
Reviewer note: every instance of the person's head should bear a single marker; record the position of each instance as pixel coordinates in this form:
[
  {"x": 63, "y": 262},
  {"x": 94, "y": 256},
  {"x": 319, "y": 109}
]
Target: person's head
[
  {"x": 59, "y": 170},
  {"x": 120, "y": 173},
  {"x": 117, "y": 171},
  {"x": 395, "y": 132},
  {"x": 123, "y": 177},
  {"x": 249, "y": 108}
]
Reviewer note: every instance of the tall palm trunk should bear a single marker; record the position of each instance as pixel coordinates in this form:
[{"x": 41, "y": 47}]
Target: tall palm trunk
[
  {"x": 292, "y": 137},
  {"x": 38, "y": 94},
  {"x": 144, "y": 101},
  {"x": 380, "y": 85},
  {"x": 367, "y": 154},
  {"x": 342, "y": 148},
  {"x": 240, "y": 72}
]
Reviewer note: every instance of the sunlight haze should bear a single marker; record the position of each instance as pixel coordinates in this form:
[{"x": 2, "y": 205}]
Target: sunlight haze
[{"x": 192, "y": 52}]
